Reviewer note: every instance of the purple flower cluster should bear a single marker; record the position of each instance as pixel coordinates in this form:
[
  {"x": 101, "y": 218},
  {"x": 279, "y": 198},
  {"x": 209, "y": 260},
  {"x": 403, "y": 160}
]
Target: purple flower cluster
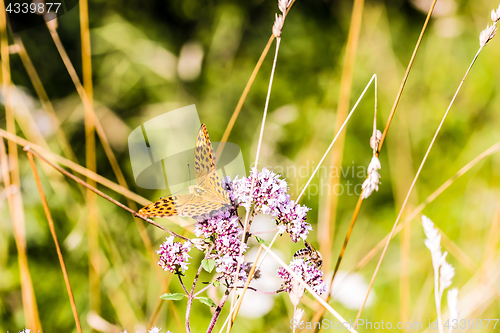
[
  {"x": 224, "y": 231},
  {"x": 292, "y": 219},
  {"x": 269, "y": 196},
  {"x": 174, "y": 255},
  {"x": 309, "y": 273}
]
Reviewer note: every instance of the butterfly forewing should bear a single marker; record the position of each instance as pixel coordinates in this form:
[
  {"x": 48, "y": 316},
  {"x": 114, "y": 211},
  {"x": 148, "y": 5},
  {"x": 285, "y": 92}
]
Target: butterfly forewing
[{"x": 204, "y": 157}]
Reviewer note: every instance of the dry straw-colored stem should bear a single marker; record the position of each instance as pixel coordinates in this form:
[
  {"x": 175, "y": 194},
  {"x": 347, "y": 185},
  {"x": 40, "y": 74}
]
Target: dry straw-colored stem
[
  {"x": 75, "y": 167},
  {"x": 405, "y": 77},
  {"x": 90, "y": 163},
  {"x": 88, "y": 107},
  {"x": 44, "y": 99},
  {"x": 56, "y": 242},
  {"x": 415, "y": 181},
  {"x": 10, "y": 167},
  {"x": 326, "y": 225},
  {"x": 90, "y": 116},
  {"x": 257, "y": 155},
  {"x": 244, "y": 95},
  {"x": 242, "y": 99},
  {"x": 464, "y": 258},
  {"x": 337, "y": 135},
  {"x": 318, "y": 314},
  {"x": 16, "y": 211},
  {"x": 255, "y": 266},
  {"x": 129, "y": 195},
  {"x": 257, "y": 263}
]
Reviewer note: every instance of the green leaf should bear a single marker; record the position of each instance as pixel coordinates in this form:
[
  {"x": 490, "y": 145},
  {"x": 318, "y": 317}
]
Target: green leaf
[
  {"x": 261, "y": 241},
  {"x": 208, "y": 265},
  {"x": 207, "y": 301},
  {"x": 216, "y": 283},
  {"x": 172, "y": 297}
]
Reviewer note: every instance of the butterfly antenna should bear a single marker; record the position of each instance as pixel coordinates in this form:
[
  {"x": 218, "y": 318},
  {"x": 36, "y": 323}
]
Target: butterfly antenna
[{"x": 189, "y": 170}]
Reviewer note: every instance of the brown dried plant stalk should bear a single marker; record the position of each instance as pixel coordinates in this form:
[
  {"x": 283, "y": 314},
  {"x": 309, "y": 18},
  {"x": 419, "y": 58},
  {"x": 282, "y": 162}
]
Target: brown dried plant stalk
[
  {"x": 483, "y": 42},
  {"x": 75, "y": 167},
  {"x": 105, "y": 196},
  {"x": 54, "y": 237},
  {"x": 12, "y": 183},
  {"x": 319, "y": 313}
]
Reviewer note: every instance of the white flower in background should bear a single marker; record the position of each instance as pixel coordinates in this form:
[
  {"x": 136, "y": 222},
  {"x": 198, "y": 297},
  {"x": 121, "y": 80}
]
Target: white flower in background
[
  {"x": 257, "y": 305},
  {"x": 264, "y": 222},
  {"x": 350, "y": 290}
]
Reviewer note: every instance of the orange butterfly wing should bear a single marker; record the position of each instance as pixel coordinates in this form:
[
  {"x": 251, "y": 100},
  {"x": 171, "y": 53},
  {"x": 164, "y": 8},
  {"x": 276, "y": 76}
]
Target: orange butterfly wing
[{"x": 204, "y": 157}]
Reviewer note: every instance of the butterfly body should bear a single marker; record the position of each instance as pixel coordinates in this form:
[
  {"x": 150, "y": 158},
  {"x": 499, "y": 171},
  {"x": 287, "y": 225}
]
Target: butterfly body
[
  {"x": 196, "y": 190},
  {"x": 207, "y": 196}
]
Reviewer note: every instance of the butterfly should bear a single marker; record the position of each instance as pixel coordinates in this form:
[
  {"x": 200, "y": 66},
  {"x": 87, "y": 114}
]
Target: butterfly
[{"x": 205, "y": 197}]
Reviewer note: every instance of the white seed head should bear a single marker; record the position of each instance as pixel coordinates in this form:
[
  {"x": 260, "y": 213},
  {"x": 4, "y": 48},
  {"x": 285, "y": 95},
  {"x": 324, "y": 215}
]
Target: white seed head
[
  {"x": 453, "y": 304},
  {"x": 296, "y": 293},
  {"x": 278, "y": 25},
  {"x": 371, "y": 183},
  {"x": 495, "y": 15},
  {"x": 447, "y": 272},
  {"x": 298, "y": 314},
  {"x": 375, "y": 140},
  {"x": 433, "y": 243},
  {"x": 487, "y": 34},
  {"x": 431, "y": 232},
  {"x": 283, "y": 5},
  {"x": 374, "y": 165}
]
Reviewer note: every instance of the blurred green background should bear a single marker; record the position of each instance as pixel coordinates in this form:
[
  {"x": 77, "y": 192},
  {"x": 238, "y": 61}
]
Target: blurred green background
[{"x": 151, "y": 57}]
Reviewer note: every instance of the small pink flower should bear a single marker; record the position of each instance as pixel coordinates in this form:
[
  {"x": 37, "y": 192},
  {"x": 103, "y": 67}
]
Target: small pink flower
[
  {"x": 174, "y": 255},
  {"x": 307, "y": 271}
]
